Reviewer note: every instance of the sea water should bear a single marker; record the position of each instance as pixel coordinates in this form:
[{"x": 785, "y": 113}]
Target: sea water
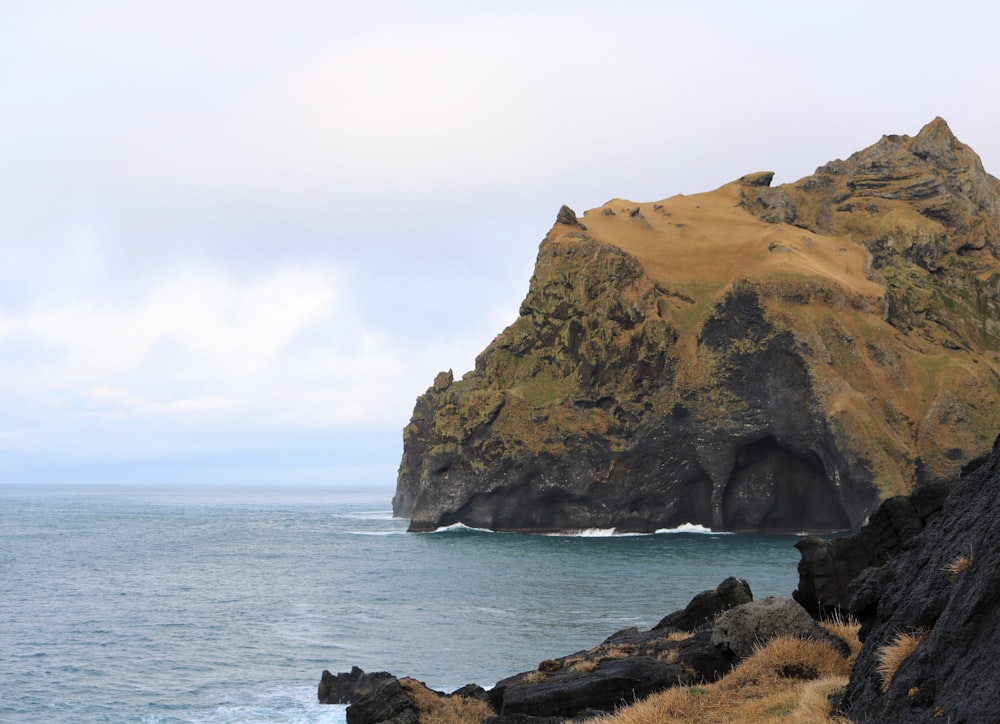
[{"x": 175, "y": 604}]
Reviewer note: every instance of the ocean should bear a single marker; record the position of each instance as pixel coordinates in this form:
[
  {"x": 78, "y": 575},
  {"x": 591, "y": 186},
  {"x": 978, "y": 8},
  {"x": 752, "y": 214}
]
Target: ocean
[{"x": 225, "y": 604}]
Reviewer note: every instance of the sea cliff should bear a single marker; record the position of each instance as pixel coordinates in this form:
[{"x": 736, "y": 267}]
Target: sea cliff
[{"x": 753, "y": 358}]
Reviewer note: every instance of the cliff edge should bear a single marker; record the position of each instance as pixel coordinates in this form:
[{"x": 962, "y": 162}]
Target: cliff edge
[{"x": 751, "y": 358}]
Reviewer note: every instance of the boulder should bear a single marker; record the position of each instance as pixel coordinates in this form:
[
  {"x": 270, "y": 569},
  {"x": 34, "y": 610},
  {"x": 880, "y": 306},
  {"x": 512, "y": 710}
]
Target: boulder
[
  {"x": 376, "y": 698},
  {"x": 566, "y": 216},
  {"x": 707, "y": 605},
  {"x": 741, "y": 630},
  {"x": 347, "y": 687}
]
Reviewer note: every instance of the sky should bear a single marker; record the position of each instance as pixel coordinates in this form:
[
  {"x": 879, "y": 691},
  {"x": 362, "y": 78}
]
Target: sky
[{"x": 238, "y": 238}]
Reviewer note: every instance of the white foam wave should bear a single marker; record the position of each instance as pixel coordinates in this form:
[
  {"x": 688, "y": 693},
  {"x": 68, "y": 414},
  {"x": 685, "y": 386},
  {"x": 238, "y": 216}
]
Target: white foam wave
[
  {"x": 590, "y": 533},
  {"x": 691, "y": 528},
  {"x": 460, "y": 528}
]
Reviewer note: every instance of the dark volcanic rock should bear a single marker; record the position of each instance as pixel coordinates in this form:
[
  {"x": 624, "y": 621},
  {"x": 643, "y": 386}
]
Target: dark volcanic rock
[
  {"x": 613, "y": 683},
  {"x": 627, "y": 666},
  {"x": 944, "y": 590},
  {"x": 345, "y": 688},
  {"x": 373, "y": 698},
  {"x": 665, "y": 368},
  {"x": 828, "y": 567},
  {"x": 707, "y": 605}
]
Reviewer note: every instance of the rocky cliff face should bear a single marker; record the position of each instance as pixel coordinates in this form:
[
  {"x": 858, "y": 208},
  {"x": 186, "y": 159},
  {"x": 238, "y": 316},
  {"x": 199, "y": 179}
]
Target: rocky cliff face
[
  {"x": 751, "y": 358},
  {"x": 931, "y": 618}
]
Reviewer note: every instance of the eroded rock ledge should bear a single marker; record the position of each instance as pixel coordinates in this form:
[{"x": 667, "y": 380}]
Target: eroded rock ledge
[{"x": 752, "y": 358}]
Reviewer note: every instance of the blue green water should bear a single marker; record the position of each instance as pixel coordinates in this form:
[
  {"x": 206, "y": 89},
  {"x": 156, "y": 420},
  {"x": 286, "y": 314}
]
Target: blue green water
[{"x": 176, "y": 604}]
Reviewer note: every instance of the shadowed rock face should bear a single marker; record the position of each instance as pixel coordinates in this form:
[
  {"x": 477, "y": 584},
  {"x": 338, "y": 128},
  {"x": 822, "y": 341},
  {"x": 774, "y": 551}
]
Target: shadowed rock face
[
  {"x": 944, "y": 589},
  {"x": 746, "y": 359}
]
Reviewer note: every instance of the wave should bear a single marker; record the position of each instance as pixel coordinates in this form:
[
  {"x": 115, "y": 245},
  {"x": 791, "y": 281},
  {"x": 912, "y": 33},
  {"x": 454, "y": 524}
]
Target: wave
[
  {"x": 691, "y": 528},
  {"x": 592, "y": 533},
  {"x": 460, "y": 528}
]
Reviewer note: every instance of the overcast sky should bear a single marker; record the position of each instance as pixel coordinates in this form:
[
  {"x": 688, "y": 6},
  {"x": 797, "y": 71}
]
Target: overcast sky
[{"x": 238, "y": 238}]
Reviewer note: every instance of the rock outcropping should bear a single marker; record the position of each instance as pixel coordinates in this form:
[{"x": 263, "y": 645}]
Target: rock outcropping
[
  {"x": 626, "y": 667},
  {"x": 931, "y": 618},
  {"x": 751, "y": 358},
  {"x": 828, "y": 567}
]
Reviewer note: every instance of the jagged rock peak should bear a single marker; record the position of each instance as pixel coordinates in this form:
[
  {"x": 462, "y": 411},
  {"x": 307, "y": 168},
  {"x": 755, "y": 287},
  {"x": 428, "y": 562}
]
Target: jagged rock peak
[
  {"x": 566, "y": 216},
  {"x": 760, "y": 178}
]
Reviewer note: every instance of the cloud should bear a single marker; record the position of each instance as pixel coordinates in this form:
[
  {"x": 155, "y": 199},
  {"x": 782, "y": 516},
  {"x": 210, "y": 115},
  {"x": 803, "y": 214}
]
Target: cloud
[
  {"x": 248, "y": 226},
  {"x": 200, "y": 350}
]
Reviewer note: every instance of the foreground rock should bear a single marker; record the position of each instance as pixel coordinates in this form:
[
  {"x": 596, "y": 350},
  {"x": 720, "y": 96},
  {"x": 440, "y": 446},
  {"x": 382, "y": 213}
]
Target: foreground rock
[
  {"x": 374, "y": 698},
  {"x": 629, "y": 666},
  {"x": 943, "y": 594},
  {"x": 828, "y": 567},
  {"x": 714, "y": 358}
]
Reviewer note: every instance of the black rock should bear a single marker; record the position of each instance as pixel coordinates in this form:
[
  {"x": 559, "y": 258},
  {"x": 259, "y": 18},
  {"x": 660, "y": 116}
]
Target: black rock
[
  {"x": 708, "y": 604},
  {"x": 945, "y": 591},
  {"x": 563, "y": 693},
  {"x": 345, "y": 688},
  {"x": 386, "y": 703},
  {"x": 472, "y": 691},
  {"x": 828, "y": 567},
  {"x": 374, "y": 698}
]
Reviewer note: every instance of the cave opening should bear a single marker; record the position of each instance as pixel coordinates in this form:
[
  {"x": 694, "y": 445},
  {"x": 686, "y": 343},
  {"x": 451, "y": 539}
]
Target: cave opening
[{"x": 775, "y": 489}]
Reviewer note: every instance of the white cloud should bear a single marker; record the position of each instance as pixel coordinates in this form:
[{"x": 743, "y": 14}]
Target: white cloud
[
  {"x": 202, "y": 347},
  {"x": 235, "y": 219}
]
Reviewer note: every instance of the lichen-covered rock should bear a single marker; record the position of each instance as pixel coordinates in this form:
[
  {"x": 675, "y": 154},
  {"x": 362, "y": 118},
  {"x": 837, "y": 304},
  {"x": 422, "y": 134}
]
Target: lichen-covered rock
[
  {"x": 752, "y": 358},
  {"x": 944, "y": 591},
  {"x": 741, "y": 630}
]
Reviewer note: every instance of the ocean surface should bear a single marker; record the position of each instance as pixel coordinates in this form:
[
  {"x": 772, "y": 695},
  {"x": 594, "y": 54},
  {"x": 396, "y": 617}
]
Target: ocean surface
[{"x": 225, "y": 604}]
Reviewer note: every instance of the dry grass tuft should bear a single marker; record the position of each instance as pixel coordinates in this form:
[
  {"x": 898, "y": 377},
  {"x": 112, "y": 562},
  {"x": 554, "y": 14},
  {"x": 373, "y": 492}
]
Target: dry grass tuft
[
  {"x": 788, "y": 680},
  {"x": 846, "y": 629},
  {"x": 549, "y": 665},
  {"x": 433, "y": 708},
  {"x": 533, "y": 677},
  {"x": 892, "y": 655},
  {"x": 787, "y": 657},
  {"x": 583, "y": 666},
  {"x": 958, "y": 565},
  {"x": 670, "y": 656}
]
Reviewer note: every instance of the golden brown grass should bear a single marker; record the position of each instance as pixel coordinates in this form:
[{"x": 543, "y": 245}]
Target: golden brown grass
[
  {"x": 787, "y": 680},
  {"x": 435, "y": 709},
  {"x": 892, "y": 655},
  {"x": 959, "y": 564},
  {"x": 533, "y": 677},
  {"x": 846, "y": 629}
]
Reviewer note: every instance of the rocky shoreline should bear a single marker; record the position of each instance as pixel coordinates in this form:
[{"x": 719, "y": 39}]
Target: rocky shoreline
[{"x": 923, "y": 566}]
